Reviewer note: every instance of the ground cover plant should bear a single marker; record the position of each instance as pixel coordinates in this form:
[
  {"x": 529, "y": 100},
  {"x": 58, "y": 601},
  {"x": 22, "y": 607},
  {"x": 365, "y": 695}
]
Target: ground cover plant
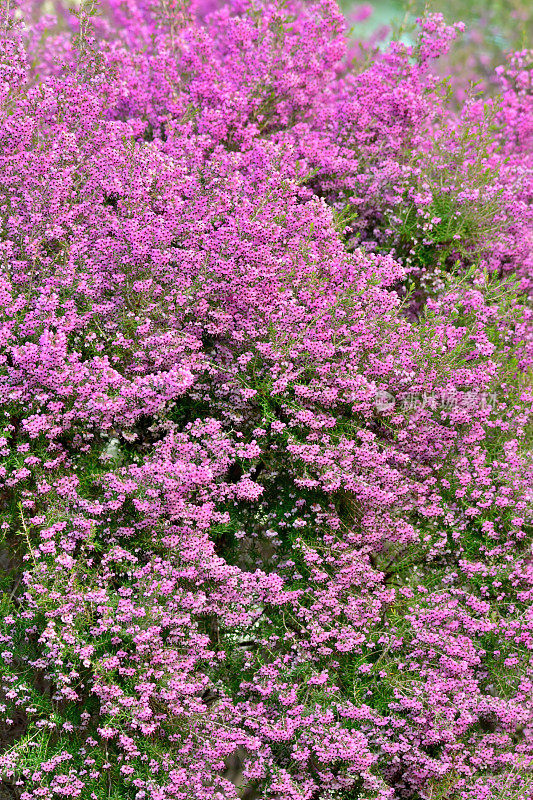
[{"x": 265, "y": 409}]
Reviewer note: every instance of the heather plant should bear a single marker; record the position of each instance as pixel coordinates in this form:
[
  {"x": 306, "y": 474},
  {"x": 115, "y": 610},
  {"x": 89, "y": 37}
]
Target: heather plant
[
  {"x": 493, "y": 30},
  {"x": 266, "y": 399}
]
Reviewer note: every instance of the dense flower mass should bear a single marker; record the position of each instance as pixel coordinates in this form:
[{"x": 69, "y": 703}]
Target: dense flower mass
[{"x": 265, "y": 409}]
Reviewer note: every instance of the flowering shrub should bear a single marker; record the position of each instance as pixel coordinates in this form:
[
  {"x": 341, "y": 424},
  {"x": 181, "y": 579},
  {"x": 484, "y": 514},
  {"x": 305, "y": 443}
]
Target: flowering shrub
[{"x": 265, "y": 389}]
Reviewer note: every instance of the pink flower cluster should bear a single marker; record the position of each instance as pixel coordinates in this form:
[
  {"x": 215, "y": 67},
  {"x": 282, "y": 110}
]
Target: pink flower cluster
[{"x": 226, "y": 238}]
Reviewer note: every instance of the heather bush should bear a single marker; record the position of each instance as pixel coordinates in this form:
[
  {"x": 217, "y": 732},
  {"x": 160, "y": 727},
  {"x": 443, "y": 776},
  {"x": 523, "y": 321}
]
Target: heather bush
[{"x": 265, "y": 387}]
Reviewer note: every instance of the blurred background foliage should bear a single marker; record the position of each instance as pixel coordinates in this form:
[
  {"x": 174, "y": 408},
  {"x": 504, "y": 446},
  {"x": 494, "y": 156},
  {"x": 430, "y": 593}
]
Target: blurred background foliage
[{"x": 493, "y": 28}]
